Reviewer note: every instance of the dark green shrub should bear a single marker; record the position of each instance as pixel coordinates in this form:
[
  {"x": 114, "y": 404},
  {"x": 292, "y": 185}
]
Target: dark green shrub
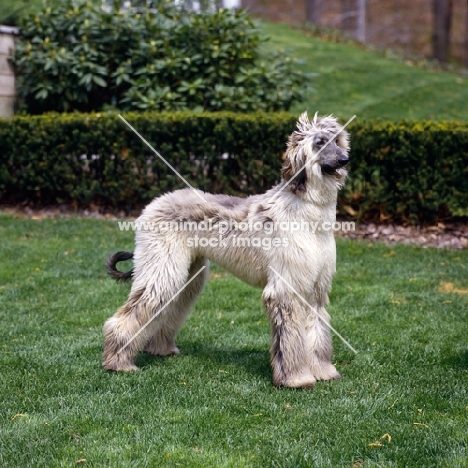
[
  {"x": 79, "y": 57},
  {"x": 95, "y": 158},
  {"x": 407, "y": 171},
  {"x": 414, "y": 171}
]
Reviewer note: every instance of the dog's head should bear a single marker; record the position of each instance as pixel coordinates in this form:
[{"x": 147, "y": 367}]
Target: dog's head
[{"x": 318, "y": 149}]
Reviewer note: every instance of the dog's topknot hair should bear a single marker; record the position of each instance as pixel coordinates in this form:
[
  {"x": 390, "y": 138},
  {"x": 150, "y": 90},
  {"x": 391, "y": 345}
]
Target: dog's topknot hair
[{"x": 306, "y": 126}]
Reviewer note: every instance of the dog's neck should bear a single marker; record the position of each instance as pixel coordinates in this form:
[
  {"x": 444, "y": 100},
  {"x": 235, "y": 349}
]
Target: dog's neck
[
  {"x": 319, "y": 193},
  {"x": 315, "y": 203},
  {"x": 323, "y": 195}
]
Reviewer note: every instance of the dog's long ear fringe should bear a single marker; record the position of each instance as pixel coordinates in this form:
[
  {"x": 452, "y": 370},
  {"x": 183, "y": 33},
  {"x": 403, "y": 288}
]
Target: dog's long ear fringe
[
  {"x": 299, "y": 182},
  {"x": 111, "y": 266},
  {"x": 289, "y": 170}
]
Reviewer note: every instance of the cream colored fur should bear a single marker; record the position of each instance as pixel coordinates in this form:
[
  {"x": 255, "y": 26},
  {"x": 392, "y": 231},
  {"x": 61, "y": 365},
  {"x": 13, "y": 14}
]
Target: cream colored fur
[{"x": 301, "y": 345}]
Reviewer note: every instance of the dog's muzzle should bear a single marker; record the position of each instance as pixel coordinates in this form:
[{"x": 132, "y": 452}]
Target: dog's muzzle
[
  {"x": 342, "y": 162},
  {"x": 330, "y": 169}
]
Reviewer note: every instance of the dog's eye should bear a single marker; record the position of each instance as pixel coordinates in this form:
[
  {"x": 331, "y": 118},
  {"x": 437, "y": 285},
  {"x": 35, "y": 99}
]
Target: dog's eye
[{"x": 319, "y": 142}]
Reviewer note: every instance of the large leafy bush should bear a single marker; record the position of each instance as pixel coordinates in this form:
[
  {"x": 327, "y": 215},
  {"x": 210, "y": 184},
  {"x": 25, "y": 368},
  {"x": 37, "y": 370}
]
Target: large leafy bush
[{"x": 78, "y": 56}]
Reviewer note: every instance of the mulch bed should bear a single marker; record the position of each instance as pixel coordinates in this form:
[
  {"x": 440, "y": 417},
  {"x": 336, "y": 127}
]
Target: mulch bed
[{"x": 453, "y": 235}]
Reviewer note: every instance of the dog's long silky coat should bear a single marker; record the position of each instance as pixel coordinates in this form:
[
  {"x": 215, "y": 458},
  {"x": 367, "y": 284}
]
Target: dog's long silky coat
[{"x": 164, "y": 260}]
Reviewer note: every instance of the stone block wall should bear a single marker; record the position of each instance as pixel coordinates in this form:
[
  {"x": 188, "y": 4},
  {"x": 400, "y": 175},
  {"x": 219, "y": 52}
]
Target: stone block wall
[{"x": 7, "y": 76}]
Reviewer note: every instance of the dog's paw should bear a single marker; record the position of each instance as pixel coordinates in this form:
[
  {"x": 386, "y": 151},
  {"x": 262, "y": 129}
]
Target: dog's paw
[
  {"x": 120, "y": 368},
  {"x": 172, "y": 352},
  {"x": 156, "y": 350},
  {"x": 302, "y": 381},
  {"x": 326, "y": 371},
  {"x": 118, "y": 365}
]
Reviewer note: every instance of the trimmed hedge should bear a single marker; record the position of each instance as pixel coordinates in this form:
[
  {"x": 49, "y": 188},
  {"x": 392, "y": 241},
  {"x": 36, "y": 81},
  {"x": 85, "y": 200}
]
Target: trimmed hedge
[
  {"x": 96, "y": 158},
  {"x": 410, "y": 171},
  {"x": 414, "y": 171}
]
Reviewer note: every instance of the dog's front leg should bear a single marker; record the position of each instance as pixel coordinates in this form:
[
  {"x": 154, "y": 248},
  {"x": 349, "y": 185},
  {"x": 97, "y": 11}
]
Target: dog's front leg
[
  {"x": 288, "y": 340},
  {"x": 319, "y": 344}
]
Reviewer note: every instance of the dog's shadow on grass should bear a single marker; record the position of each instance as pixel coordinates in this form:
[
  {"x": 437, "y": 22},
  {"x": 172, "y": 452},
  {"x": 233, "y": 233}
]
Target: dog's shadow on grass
[
  {"x": 253, "y": 361},
  {"x": 457, "y": 360}
]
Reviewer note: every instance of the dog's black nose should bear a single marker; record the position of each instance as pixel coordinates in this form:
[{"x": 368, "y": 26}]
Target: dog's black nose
[{"x": 343, "y": 161}]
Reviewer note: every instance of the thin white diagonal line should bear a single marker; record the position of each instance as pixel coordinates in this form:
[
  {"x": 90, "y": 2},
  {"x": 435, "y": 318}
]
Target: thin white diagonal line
[
  {"x": 318, "y": 315},
  {"x": 318, "y": 152},
  {"x": 160, "y": 310},
  {"x": 162, "y": 159}
]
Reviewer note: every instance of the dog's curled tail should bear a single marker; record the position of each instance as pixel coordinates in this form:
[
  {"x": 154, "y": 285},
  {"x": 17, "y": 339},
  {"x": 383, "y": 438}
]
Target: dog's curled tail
[{"x": 111, "y": 266}]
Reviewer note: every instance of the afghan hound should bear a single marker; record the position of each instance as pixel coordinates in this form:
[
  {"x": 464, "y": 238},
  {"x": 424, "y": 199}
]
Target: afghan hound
[{"x": 255, "y": 238}]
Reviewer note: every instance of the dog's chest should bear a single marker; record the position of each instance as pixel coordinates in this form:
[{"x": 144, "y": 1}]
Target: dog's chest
[{"x": 313, "y": 252}]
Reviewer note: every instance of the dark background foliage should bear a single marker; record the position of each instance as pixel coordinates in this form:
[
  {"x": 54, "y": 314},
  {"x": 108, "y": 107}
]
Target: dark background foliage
[{"x": 406, "y": 171}]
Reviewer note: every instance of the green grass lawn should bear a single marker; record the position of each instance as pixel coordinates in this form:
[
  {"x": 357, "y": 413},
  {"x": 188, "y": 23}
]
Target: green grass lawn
[
  {"x": 356, "y": 81},
  {"x": 403, "y": 399}
]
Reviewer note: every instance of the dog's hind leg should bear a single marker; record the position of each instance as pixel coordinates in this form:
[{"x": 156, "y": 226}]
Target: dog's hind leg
[
  {"x": 319, "y": 344},
  {"x": 162, "y": 343},
  {"x": 124, "y": 336},
  {"x": 161, "y": 270},
  {"x": 288, "y": 343}
]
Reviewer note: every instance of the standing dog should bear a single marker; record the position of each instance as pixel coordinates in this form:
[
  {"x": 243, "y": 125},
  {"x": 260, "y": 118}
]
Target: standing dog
[{"x": 295, "y": 271}]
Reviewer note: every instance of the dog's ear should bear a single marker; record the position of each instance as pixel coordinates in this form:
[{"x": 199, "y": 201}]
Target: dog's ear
[
  {"x": 291, "y": 169},
  {"x": 343, "y": 140}
]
